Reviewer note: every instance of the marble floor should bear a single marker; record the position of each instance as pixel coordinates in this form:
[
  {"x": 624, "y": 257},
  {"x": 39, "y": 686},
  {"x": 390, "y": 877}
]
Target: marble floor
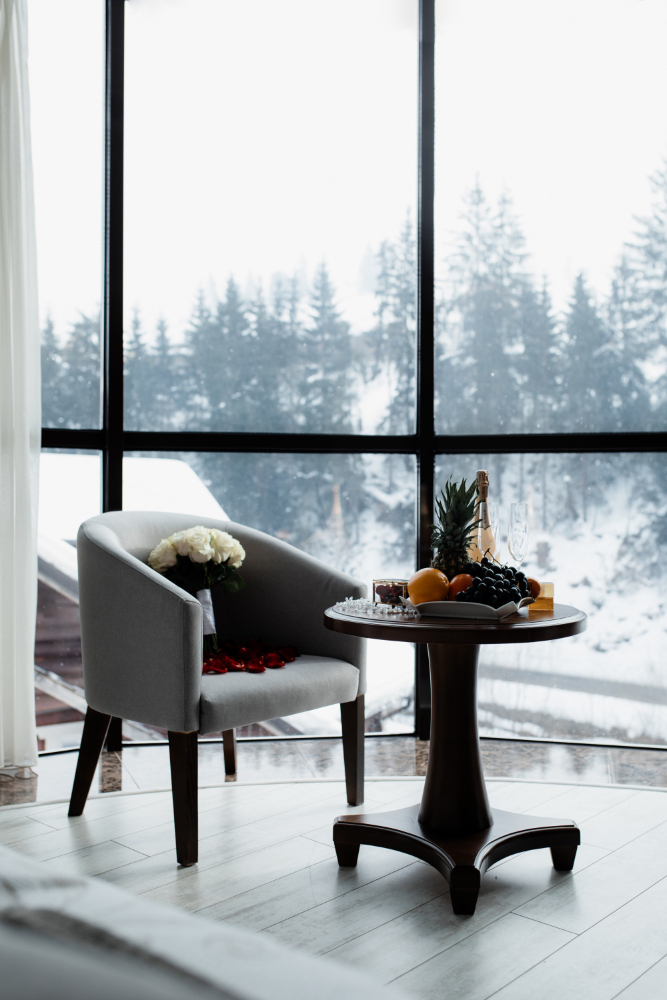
[{"x": 144, "y": 768}]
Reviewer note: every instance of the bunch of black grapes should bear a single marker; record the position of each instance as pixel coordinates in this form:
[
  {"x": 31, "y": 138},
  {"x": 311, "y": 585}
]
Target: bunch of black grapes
[{"x": 494, "y": 584}]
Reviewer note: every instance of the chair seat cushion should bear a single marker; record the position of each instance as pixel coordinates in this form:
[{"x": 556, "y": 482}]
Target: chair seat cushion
[{"x": 239, "y": 699}]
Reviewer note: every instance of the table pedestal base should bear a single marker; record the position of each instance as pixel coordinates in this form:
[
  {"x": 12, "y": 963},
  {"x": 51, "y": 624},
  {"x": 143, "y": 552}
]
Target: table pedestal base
[{"x": 462, "y": 859}]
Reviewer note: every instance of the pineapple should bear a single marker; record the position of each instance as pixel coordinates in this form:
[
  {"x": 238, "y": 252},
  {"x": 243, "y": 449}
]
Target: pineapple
[{"x": 456, "y": 527}]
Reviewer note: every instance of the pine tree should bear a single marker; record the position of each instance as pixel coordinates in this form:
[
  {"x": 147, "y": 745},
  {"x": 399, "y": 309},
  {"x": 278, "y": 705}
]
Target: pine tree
[
  {"x": 208, "y": 363},
  {"x": 480, "y": 323},
  {"x": 622, "y": 321},
  {"x": 137, "y": 396},
  {"x": 540, "y": 363},
  {"x": 81, "y": 374},
  {"x": 52, "y": 376},
  {"x": 167, "y": 391},
  {"x": 638, "y": 309},
  {"x": 325, "y": 394},
  {"x": 593, "y": 367},
  {"x": 389, "y": 483},
  {"x": 393, "y": 339}
]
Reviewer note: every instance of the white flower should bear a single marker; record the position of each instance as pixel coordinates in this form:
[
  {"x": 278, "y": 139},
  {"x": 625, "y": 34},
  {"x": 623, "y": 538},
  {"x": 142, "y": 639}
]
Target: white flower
[
  {"x": 193, "y": 542},
  {"x": 180, "y": 541},
  {"x": 163, "y": 556},
  {"x": 200, "y": 544},
  {"x": 200, "y": 549},
  {"x": 238, "y": 554},
  {"x": 223, "y": 545}
]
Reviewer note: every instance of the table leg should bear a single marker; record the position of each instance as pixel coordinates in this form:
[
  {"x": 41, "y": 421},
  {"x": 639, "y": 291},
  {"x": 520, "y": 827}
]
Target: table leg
[
  {"x": 454, "y": 799},
  {"x": 454, "y": 829}
]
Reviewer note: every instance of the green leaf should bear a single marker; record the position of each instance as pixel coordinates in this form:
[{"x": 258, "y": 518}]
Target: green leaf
[{"x": 233, "y": 582}]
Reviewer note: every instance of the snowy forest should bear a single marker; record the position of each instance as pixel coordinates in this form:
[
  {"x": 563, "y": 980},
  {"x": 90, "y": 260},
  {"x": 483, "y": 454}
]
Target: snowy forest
[{"x": 285, "y": 359}]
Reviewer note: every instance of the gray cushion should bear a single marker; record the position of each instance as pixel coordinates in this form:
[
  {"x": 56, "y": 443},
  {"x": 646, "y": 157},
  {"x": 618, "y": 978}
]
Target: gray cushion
[
  {"x": 141, "y": 635},
  {"x": 97, "y": 941},
  {"x": 239, "y": 699},
  {"x": 33, "y": 966}
]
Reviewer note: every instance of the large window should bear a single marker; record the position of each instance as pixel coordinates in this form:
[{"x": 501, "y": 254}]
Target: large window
[{"x": 346, "y": 256}]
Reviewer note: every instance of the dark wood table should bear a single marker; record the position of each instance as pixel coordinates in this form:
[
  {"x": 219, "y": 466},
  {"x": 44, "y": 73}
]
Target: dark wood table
[{"x": 454, "y": 828}]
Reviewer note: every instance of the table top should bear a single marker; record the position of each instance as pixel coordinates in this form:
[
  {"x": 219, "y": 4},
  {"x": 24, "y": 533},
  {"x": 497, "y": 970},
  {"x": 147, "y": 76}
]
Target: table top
[{"x": 520, "y": 627}]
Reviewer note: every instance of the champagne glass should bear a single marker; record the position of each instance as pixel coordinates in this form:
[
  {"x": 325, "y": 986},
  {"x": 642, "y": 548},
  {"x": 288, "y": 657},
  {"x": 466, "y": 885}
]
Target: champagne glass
[
  {"x": 488, "y": 513},
  {"x": 517, "y": 536}
]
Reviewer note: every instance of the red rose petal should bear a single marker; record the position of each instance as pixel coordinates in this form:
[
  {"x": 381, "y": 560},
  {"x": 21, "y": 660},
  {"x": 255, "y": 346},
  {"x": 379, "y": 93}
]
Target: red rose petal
[
  {"x": 255, "y": 666},
  {"x": 288, "y": 653},
  {"x": 214, "y": 665},
  {"x": 234, "y": 665},
  {"x": 273, "y": 660}
]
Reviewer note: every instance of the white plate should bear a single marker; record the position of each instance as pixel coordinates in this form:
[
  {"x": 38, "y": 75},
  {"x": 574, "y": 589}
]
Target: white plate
[{"x": 464, "y": 609}]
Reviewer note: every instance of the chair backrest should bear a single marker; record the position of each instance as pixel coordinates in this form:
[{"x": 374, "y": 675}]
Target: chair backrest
[{"x": 141, "y": 634}]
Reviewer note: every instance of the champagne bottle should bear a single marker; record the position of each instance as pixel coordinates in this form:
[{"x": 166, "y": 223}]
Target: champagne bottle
[
  {"x": 484, "y": 543},
  {"x": 487, "y": 542}
]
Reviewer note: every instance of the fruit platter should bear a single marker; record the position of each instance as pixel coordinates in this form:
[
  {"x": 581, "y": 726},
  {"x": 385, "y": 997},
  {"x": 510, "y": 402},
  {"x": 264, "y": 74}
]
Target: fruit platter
[
  {"x": 462, "y": 581},
  {"x": 484, "y": 589}
]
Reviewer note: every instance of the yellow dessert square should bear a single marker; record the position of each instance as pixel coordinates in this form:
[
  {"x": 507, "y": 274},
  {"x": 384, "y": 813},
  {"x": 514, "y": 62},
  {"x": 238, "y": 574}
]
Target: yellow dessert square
[{"x": 541, "y": 604}]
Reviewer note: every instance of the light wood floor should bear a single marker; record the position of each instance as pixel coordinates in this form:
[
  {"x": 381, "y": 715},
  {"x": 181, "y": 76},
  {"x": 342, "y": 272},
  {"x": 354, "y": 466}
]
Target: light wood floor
[{"x": 267, "y": 863}]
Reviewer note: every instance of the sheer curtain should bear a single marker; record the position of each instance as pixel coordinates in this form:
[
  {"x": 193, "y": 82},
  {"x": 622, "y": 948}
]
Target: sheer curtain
[{"x": 20, "y": 409}]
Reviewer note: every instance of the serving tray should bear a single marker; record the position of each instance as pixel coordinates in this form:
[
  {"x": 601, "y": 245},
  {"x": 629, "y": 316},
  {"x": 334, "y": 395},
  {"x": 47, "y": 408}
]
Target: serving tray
[{"x": 465, "y": 609}]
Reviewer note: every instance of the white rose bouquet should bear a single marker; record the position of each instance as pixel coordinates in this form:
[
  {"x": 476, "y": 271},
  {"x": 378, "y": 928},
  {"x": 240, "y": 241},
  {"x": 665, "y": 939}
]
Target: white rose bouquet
[{"x": 196, "y": 559}]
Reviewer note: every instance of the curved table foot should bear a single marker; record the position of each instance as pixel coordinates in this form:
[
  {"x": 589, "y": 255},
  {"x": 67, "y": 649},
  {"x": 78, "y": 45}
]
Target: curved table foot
[
  {"x": 347, "y": 855},
  {"x": 462, "y": 859},
  {"x": 563, "y": 858}
]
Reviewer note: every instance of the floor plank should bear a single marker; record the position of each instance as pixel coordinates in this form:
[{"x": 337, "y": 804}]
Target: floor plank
[
  {"x": 92, "y": 860},
  {"x": 415, "y": 937},
  {"x": 625, "y": 821},
  {"x": 332, "y": 924},
  {"x": 600, "y": 963},
  {"x": 485, "y": 962},
  {"x": 203, "y": 888},
  {"x": 583, "y": 803},
  {"x": 273, "y": 816},
  {"x": 649, "y": 986},
  {"x": 614, "y": 880},
  {"x": 22, "y": 828},
  {"x": 520, "y": 796},
  {"x": 292, "y": 894}
]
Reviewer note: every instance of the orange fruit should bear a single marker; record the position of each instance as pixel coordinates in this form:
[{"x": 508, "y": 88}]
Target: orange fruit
[
  {"x": 460, "y": 582},
  {"x": 428, "y": 585},
  {"x": 534, "y": 586}
]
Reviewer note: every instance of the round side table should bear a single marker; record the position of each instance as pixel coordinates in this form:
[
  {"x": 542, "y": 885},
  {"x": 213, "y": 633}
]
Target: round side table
[{"x": 454, "y": 828}]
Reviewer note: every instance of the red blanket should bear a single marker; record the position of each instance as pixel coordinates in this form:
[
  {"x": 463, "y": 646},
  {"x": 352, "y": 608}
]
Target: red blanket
[{"x": 253, "y": 657}]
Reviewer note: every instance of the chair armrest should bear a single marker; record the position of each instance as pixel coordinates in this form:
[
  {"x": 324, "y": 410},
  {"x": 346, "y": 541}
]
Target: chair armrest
[
  {"x": 141, "y": 636},
  {"x": 284, "y": 600}
]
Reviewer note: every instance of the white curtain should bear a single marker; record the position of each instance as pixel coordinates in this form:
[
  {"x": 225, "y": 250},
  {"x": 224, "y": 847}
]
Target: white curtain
[{"x": 20, "y": 409}]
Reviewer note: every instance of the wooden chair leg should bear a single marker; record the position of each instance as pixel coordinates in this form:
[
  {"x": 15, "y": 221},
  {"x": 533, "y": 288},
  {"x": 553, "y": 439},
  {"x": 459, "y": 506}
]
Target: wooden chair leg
[
  {"x": 183, "y": 760},
  {"x": 94, "y": 731},
  {"x": 352, "y": 719},
  {"x": 229, "y": 750}
]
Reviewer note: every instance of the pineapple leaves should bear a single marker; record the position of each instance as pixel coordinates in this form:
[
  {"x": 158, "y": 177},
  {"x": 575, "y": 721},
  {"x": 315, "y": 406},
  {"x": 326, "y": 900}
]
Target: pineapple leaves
[{"x": 455, "y": 512}]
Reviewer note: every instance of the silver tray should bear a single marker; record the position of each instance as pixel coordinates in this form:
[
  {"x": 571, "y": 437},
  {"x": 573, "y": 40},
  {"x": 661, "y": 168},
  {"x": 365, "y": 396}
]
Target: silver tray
[{"x": 465, "y": 609}]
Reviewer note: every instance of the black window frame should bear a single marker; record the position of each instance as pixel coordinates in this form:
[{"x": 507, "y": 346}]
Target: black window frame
[{"x": 112, "y": 440}]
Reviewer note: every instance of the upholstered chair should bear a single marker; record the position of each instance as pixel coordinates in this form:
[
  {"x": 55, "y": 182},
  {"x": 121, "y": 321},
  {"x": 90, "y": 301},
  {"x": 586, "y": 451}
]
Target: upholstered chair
[{"x": 141, "y": 639}]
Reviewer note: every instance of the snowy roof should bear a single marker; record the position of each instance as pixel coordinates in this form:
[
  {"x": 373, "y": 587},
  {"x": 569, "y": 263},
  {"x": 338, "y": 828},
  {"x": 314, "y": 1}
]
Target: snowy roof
[{"x": 69, "y": 493}]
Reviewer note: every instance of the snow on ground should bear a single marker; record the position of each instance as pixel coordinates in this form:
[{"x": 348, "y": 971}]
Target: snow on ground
[{"x": 632, "y": 720}]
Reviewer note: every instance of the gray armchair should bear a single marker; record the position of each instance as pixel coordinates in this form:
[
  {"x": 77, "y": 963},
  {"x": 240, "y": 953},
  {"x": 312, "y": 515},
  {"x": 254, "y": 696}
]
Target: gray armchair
[{"x": 141, "y": 639}]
